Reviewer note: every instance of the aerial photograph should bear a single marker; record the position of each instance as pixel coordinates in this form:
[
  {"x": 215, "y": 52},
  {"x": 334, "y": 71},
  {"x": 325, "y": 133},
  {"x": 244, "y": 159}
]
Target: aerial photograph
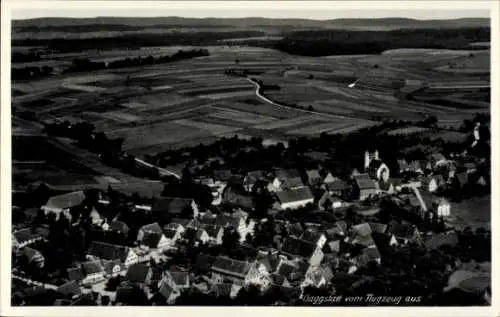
[{"x": 250, "y": 157}]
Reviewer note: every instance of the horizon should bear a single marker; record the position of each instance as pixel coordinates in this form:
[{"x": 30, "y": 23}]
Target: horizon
[
  {"x": 312, "y": 10},
  {"x": 244, "y": 17}
]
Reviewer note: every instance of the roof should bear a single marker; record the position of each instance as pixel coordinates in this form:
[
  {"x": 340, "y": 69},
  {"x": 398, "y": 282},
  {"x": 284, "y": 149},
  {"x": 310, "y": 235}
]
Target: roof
[
  {"x": 313, "y": 174},
  {"x": 363, "y": 181},
  {"x": 403, "y": 165},
  {"x": 25, "y": 234},
  {"x": 375, "y": 164},
  {"x": 66, "y": 201},
  {"x": 169, "y": 233},
  {"x": 286, "y": 269},
  {"x": 232, "y": 197},
  {"x": 269, "y": 260},
  {"x": 252, "y": 177},
  {"x": 437, "y": 157},
  {"x": 151, "y": 239},
  {"x": 438, "y": 240},
  {"x": 223, "y": 289},
  {"x": 204, "y": 261},
  {"x": 171, "y": 205},
  {"x": 179, "y": 278},
  {"x": 70, "y": 288},
  {"x": 181, "y": 221},
  {"x": 226, "y": 265},
  {"x": 401, "y": 230},
  {"x": 92, "y": 267},
  {"x": 290, "y": 177},
  {"x": 75, "y": 274},
  {"x": 461, "y": 178},
  {"x": 298, "y": 247},
  {"x": 337, "y": 184},
  {"x": 222, "y": 175},
  {"x": 212, "y": 230},
  {"x": 294, "y": 195},
  {"x": 362, "y": 229},
  {"x": 377, "y": 227},
  {"x": 295, "y": 229},
  {"x": 367, "y": 255},
  {"x": 152, "y": 228},
  {"x": 118, "y": 225},
  {"x": 311, "y": 236},
  {"x": 109, "y": 265},
  {"x": 108, "y": 251},
  {"x": 32, "y": 254},
  {"x": 138, "y": 273}
]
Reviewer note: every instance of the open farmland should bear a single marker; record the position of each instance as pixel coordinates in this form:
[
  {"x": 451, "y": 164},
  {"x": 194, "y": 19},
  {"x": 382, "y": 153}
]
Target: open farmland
[{"x": 163, "y": 106}]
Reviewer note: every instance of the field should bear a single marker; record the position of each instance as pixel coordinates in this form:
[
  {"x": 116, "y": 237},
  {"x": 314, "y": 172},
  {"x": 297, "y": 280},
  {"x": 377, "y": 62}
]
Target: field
[{"x": 165, "y": 106}]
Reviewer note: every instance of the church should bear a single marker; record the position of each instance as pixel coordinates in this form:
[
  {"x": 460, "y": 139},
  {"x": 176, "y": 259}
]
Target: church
[{"x": 375, "y": 167}]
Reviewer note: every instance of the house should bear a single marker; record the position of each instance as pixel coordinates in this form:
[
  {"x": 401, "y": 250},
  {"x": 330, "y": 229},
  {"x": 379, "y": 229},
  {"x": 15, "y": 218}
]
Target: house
[
  {"x": 230, "y": 290},
  {"x": 174, "y": 206},
  {"x": 470, "y": 167},
  {"x": 226, "y": 268},
  {"x": 149, "y": 228},
  {"x": 294, "y": 198},
  {"x": 375, "y": 168},
  {"x": 139, "y": 273},
  {"x": 205, "y": 180},
  {"x": 107, "y": 251},
  {"x": 403, "y": 233},
  {"x": 326, "y": 200},
  {"x": 437, "y": 240},
  {"x": 365, "y": 186},
  {"x": 437, "y": 159},
  {"x": 295, "y": 229},
  {"x": 317, "y": 277},
  {"x": 461, "y": 179},
  {"x": 368, "y": 255},
  {"x": 222, "y": 177},
  {"x": 361, "y": 234},
  {"x": 178, "y": 228},
  {"x": 271, "y": 260},
  {"x": 177, "y": 280},
  {"x": 119, "y": 227},
  {"x": 415, "y": 167},
  {"x": 169, "y": 293},
  {"x": 329, "y": 178},
  {"x": 93, "y": 272},
  {"x": 432, "y": 183},
  {"x": 158, "y": 241},
  {"x": 234, "y": 198},
  {"x": 62, "y": 203},
  {"x": 313, "y": 177},
  {"x": 317, "y": 238},
  {"x": 112, "y": 267},
  {"x": 251, "y": 178},
  {"x": 75, "y": 274},
  {"x": 34, "y": 257},
  {"x": 171, "y": 237},
  {"x": 377, "y": 227},
  {"x": 338, "y": 187},
  {"x": 403, "y": 166},
  {"x": 286, "y": 179},
  {"x": 96, "y": 218},
  {"x": 69, "y": 290},
  {"x": 298, "y": 248},
  {"x": 24, "y": 237},
  {"x": 209, "y": 233},
  {"x": 441, "y": 207}
]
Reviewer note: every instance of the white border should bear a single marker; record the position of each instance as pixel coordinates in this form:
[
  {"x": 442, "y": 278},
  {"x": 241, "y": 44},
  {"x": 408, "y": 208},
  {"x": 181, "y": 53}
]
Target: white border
[{"x": 5, "y": 171}]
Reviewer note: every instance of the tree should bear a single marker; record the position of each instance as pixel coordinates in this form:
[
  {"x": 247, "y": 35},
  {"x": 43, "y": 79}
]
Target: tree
[{"x": 230, "y": 239}]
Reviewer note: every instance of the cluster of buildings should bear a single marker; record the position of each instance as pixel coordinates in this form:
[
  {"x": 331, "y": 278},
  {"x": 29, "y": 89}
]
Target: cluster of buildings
[{"x": 303, "y": 255}]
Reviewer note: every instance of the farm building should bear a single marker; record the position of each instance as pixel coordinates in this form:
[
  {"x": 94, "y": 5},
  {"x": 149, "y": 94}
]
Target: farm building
[
  {"x": 299, "y": 249},
  {"x": 62, "y": 203},
  {"x": 328, "y": 200},
  {"x": 107, "y": 251},
  {"x": 286, "y": 179},
  {"x": 432, "y": 183},
  {"x": 173, "y": 206},
  {"x": 313, "y": 177},
  {"x": 295, "y": 198},
  {"x": 251, "y": 179},
  {"x": 402, "y": 233},
  {"x": 442, "y": 208},
  {"x": 24, "y": 237},
  {"x": 33, "y": 256},
  {"x": 365, "y": 186},
  {"x": 338, "y": 187}
]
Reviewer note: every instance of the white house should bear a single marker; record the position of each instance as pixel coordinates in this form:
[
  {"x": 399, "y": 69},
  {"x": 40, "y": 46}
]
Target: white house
[
  {"x": 442, "y": 208},
  {"x": 93, "y": 272},
  {"x": 62, "y": 203}
]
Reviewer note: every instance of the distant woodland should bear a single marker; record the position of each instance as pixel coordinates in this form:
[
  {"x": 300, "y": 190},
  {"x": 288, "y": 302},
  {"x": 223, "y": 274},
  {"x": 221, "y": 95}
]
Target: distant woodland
[{"x": 307, "y": 42}]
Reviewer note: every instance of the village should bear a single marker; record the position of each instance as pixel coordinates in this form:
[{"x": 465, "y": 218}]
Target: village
[{"x": 269, "y": 237}]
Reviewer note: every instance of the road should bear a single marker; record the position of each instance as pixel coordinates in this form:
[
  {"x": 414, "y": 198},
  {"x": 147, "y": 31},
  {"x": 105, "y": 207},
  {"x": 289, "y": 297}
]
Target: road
[{"x": 269, "y": 101}]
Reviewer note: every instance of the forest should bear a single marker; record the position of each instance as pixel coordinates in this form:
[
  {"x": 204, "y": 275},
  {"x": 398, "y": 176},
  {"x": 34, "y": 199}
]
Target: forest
[{"x": 344, "y": 42}]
